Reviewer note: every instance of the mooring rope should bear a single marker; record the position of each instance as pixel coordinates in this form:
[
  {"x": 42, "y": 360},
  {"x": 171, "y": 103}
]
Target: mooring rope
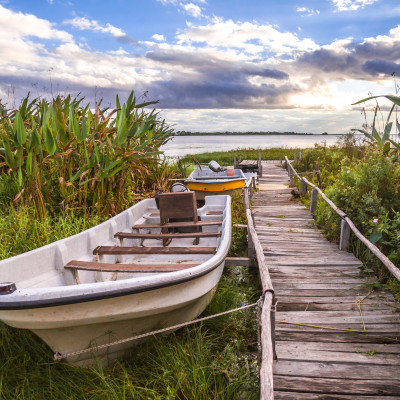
[{"x": 58, "y": 356}]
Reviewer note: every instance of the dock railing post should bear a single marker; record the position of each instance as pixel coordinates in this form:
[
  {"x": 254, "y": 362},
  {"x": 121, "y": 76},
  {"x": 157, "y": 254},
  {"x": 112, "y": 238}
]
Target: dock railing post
[
  {"x": 291, "y": 178},
  {"x": 314, "y": 198},
  {"x": 300, "y": 156},
  {"x": 303, "y": 187},
  {"x": 344, "y": 236},
  {"x": 259, "y": 164}
]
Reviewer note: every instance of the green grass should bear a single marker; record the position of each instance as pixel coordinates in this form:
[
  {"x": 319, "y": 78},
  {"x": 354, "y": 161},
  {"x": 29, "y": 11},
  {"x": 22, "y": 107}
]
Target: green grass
[{"x": 226, "y": 157}]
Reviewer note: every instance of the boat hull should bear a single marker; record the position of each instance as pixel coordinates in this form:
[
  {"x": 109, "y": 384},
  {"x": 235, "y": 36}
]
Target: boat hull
[
  {"x": 205, "y": 182},
  {"x": 201, "y": 194},
  {"x": 99, "y": 308}
]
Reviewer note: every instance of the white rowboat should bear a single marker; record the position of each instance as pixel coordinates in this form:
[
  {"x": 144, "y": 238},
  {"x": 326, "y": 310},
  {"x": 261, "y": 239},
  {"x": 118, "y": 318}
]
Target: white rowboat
[{"x": 112, "y": 282}]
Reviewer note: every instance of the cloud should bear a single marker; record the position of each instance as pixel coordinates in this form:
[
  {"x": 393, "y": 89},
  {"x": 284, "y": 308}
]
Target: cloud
[
  {"x": 307, "y": 12},
  {"x": 247, "y": 36},
  {"x": 192, "y": 9},
  {"x": 188, "y": 7},
  {"x": 159, "y": 38},
  {"x": 347, "y": 60},
  {"x": 381, "y": 67},
  {"x": 83, "y": 23},
  {"x": 351, "y": 5}
]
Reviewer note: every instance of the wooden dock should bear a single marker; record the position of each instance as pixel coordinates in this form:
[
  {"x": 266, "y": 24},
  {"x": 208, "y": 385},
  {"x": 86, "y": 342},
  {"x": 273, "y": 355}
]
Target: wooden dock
[{"x": 337, "y": 335}]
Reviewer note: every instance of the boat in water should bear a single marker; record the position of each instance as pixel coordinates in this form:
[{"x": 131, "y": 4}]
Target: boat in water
[
  {"x": 144, "y": 269},
  {"x": 215, "y": 180}
]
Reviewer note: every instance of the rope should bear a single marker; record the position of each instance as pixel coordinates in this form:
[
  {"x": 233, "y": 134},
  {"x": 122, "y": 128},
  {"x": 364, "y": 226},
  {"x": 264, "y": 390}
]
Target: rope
[{"x": 58, "y": 356}]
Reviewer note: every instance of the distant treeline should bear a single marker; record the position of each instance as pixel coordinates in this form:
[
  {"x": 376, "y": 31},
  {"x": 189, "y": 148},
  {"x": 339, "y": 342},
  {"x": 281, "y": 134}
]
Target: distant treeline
[{"x": 188, "y": 133}]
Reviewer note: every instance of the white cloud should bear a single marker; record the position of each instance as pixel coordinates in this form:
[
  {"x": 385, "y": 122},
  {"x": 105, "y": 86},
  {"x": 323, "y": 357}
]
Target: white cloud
[
  {"x": 165, "y": 2},
  {"x": 308, "y": 12},
  {"x": 83, "y": 23},
  {"x": 159, "y": 38},
  {"x": 351, "y": 5},
  {"x": 192, "y": 9},
  {"x": 17, "y": 24},
  {"x": 249, "y": 37}
]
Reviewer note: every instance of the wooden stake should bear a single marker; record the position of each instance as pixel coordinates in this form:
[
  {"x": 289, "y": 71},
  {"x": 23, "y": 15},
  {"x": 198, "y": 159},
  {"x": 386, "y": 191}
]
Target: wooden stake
[
  {"x": 314, "y": 198},
  {"x": 344, "y": 236},
  {"x": 303, "y": 188}
]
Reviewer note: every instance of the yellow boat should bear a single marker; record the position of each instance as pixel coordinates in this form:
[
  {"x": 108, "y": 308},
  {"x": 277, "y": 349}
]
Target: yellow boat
[{"x": 206, "y": 181}]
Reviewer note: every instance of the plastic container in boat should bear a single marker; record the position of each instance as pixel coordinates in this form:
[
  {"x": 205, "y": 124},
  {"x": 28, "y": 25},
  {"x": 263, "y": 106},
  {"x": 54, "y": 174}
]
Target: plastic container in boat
[{"x": 229, "y": 171}]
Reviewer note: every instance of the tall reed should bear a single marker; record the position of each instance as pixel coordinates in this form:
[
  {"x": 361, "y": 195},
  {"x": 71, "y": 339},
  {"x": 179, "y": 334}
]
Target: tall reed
[{"x": 62, "y": 154}]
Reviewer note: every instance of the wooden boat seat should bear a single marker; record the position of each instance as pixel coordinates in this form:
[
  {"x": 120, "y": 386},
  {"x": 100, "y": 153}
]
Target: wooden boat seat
[
  {"x": 108, "y": 267},
  {"x": 214, "y": 213},
  {"x": 177, "y": 211},
  {"x": 178, "y": 224},
  {"x": 115, "y": 250},
  {"x": 129, "y": 235}
]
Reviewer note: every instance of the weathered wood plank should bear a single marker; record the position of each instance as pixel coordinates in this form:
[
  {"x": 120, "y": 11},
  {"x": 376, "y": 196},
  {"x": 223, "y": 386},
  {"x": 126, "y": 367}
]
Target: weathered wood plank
[
  {"x": 131, "y": 235},
  {"x": 114, "y": 250},
  {"x": 337, "y": 336},
  {"x": 109, "y": 267},
  {"x": 335, "y": 370},
  {"x": 338, "y": 386},
  {"x": 177, "y": 225},
  {"x": 354, "y": 347},
  {"x": 279, "y": 395}
]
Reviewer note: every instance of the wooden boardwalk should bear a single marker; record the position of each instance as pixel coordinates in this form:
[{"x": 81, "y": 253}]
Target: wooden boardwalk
[{"x": 318, "y": 287}]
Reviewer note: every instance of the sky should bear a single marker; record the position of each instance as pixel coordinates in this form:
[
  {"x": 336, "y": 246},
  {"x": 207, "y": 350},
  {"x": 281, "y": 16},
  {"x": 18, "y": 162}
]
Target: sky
[{"x": 214, "y": 65}]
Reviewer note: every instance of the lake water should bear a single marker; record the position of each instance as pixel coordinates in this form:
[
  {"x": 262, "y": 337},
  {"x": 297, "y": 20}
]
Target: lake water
[{"x": 181, "y": 145}]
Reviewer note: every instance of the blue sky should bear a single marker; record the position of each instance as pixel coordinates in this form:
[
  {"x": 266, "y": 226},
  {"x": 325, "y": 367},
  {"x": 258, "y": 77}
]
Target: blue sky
[{"x": 214, "y": 65}]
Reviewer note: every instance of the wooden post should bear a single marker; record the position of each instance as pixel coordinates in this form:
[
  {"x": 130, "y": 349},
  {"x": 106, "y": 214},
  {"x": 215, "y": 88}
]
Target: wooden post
[
  {"x": 291, "y": 178},
  {"x": 303, "y": 188},
  {"x": 252, "y": 217},
  {"x": 300, "y": 156},
  {"x": 314, "y": 198},
  {"x": 259, "y": 164},
  {"x": 246, "y": 197},
  {"x": 344, "y": 236},
  {"x": 240, "y": 158},
  {"x": 251, "y": 253},
  {"x": 281, "y": 158},
  {"x": 318, "y": 173}
]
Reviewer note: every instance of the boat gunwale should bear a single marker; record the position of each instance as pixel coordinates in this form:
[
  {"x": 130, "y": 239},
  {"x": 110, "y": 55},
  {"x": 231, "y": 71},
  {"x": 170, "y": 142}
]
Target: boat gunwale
[{"x": 84, "y": 298}]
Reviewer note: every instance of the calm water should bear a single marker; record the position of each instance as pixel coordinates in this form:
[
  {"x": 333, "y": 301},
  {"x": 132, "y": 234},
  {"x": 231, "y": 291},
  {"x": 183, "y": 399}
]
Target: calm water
[{"x": 182, "y": 145}]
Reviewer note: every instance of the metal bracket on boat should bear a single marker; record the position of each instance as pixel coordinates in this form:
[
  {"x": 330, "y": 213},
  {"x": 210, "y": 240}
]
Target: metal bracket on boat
[{"x": 7, "y": 288}]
